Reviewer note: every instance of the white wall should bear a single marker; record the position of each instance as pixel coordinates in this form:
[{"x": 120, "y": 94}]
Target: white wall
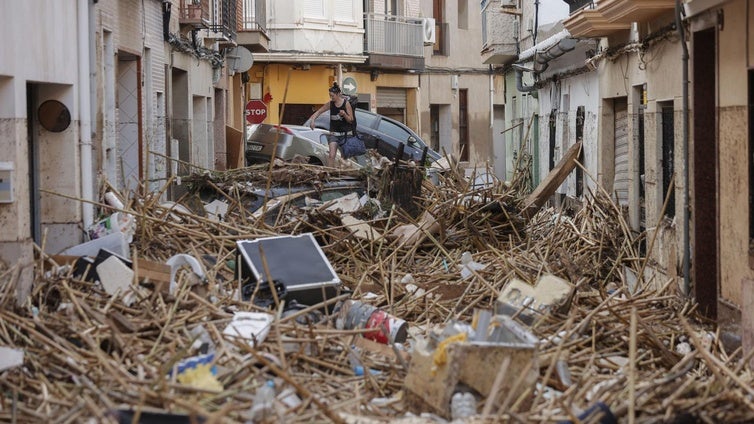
[
  {"x": 581, "y": 90},
  {"x": 317, "y": 26}
]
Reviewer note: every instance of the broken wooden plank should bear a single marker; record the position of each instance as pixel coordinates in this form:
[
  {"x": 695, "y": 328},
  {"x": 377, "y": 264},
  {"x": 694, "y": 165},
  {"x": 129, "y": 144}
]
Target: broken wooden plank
[{"x": 554, "y": 179}]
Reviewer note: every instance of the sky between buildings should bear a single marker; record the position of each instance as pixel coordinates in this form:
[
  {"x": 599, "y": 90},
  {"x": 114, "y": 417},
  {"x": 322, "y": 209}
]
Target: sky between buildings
[{"x": 552, "y": 11}]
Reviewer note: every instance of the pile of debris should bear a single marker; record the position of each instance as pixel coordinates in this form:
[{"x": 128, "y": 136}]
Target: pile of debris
[{"x": 468, "y": 309}]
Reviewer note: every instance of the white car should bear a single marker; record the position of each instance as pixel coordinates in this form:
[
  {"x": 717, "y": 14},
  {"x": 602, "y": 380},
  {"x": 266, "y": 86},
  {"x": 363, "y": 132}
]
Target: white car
[{"x": 292, "y": 141}]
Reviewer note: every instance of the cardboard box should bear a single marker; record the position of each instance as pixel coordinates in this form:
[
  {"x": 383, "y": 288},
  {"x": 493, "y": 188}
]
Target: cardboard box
[
  {"x": 473, "y": 365},
  {"x": 295, "y": 262},
  {"x": 529, "y": 303}
]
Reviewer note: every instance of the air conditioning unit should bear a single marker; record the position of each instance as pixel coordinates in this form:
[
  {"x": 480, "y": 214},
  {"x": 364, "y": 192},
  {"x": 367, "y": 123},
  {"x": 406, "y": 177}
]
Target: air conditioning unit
[
  {"x": 428, "y": 31},
  {"x": 509, "y": 4}
]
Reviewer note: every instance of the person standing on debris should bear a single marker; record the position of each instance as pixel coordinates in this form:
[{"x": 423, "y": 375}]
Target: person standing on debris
[{"x": 341, "y": 118}]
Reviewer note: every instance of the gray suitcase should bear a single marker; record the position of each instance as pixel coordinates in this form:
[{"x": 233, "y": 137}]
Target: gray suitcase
[{"x": 295, "y": 263}]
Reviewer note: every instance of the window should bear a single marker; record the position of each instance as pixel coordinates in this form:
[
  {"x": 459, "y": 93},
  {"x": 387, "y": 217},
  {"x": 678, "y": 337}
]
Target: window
[
  {"x": 580, "y": 116},
  {"x": 440, "y": 47},
  {"x": 668, "y": 139},
  {"x": 551, "y": 133},
  {"x": 314, "y": 8},
  {"x": 751, "y": 160},
  {"x": 394, "y": 130},
  {"x": 463, "y": 124},
  {"x": 343, "y": 11},
  {"x": 365, "y": 119},
  {"x": 463, "y": 14},
  {"x": 484, "y": 27}
]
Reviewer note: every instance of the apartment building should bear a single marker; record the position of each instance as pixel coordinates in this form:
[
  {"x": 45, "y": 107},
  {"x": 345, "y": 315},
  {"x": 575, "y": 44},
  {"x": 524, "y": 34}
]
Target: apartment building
[
  {"x": 107, "y": 94},
  {"x": 404, "y": 59},
  {"x": 659, "y": 93},
  {"x": 373, "y": 53},
  {"x": 460, "y": 96}
]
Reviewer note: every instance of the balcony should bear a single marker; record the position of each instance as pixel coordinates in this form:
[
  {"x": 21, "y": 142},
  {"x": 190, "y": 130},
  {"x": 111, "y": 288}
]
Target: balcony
[
  {"x": 499, "y": 32},
  {"x": 194, "y": 13},
  {"x": 252, "y": 26},
  {"x": 223, "y": 23},
  {"x": 394, "y": 42},
  {"x": 574, "y": 5},
  {"x": 590, "y": 23},
  {"x": 611, "y": 16}
]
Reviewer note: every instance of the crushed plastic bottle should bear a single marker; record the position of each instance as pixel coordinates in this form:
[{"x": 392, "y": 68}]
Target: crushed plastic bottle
[
  {"x": 468, "y": 265},
  {"x": 263, "y": 408},
  {"x": 356, "y": 365},
  {"x": 462, "y": 405}
]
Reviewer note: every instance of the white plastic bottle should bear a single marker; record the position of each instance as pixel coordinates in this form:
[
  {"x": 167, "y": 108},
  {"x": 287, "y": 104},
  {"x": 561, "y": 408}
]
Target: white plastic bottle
[
  {"x": 462, "y": 405},
  {"x": 263, "y": 408}
]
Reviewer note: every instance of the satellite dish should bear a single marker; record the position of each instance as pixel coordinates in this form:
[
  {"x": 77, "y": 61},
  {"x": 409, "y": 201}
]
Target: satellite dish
[{"x": 239, "y": 59}]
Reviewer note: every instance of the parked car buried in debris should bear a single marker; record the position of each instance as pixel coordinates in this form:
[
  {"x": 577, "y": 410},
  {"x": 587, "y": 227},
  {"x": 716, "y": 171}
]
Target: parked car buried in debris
[
  {"x": 377, "y": 131},
  {"x": 292, "y": 141},
  {"x": 386, "y": 135}
]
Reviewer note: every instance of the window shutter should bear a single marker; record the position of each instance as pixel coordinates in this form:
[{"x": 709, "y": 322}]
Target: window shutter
[
  {"x": 314, "y": 8},
  {"x": 343, "y": 10}
]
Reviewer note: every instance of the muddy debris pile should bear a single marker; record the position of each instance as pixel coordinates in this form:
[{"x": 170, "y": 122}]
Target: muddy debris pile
[{"x": 295, "y": 293}]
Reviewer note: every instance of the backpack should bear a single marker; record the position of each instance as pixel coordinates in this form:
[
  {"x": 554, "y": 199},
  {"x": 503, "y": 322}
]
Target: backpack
[{"x": 353, "y": 100}]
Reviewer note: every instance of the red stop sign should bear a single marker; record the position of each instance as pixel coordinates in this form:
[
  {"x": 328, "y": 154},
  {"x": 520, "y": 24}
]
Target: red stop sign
[{"x": 256, "y": 111}]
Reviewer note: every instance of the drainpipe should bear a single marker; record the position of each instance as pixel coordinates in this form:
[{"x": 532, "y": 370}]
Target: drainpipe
[
  {"x": 685, "y": 136},
  {"x": 492, "y": 96},
  {"x": 84, "y": 111},
  {"x": 536, "y": 22}
]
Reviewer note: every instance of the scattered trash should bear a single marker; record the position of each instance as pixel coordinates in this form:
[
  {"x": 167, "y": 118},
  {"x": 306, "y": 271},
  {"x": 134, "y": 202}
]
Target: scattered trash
[
  {"x": 115, "y": 242},
  {"x": 10, "y": 358},
  {"x": 70, "y": 327},
  {"x": 216, "y": 209},
  {"x": 347, "y": 204},
  {"x": 116, "y": 223},
  {"x": 360, "y": 229},
  {"x": 116, "y": 278},
  {"x": 202, "y": 340},
  {"x": 199, "y": 372},
  {"x": 468, "y": 266},
  {"x": 527, "y": 302},
  {"x": 296, "y": 261},
  {"x": 462, "y": 405},
  {"x": 385, "y": 328},
  {"x": 253, "y": 326},
  {"x": 683, "y": 348},
  {"x": 176, "y": 262},
  {"x": 112, "y": 199},
  {"x": 441, "y": 363},
  {"x": 564, "y": 373},
  {"x": 263, "y": 407},
  {"x": 355, "y": 362}
]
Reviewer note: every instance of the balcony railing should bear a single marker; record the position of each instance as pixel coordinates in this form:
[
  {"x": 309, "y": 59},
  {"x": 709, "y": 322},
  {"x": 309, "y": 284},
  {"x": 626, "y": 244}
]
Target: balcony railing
[
  {"x": 393, "y": 35},
  {"x": 194, "y": 12},
  {"x": 253, "y": 16},
  {"x": 224, "y": 18},
  {"x": 575, "y": 5}
]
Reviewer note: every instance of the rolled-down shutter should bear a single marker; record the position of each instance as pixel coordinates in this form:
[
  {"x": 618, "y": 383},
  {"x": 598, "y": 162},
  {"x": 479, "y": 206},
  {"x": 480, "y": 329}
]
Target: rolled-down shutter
[
  {"x": 621, "y": 152},
  {"x": 391, "y": 97}
]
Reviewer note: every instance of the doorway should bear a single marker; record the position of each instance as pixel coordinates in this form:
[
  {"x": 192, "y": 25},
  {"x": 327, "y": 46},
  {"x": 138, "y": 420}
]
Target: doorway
[
  {"x": 129, "y": 107},
  {"x": 705, "y": 273}
]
